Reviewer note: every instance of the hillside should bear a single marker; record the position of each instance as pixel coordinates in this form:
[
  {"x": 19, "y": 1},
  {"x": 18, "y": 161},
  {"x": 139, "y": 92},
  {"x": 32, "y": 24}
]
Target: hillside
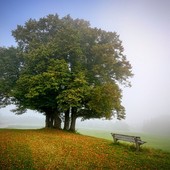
[{"x": 51, "y": 149}]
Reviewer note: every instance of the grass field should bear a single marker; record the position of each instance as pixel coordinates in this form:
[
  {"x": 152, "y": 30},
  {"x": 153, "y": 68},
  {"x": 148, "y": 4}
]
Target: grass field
[
  {"x": 157, "y": 142},
  {"x": 51, "y": 150}
]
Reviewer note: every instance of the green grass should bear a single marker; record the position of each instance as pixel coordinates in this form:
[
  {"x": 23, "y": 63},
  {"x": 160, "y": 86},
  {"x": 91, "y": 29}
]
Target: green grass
[
  {"x": 52, "y": 149},
  {"x": 157, "y": 142}
]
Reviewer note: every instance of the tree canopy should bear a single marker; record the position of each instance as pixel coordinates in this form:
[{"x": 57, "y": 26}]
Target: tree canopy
[{"x": 64, "y": 68}]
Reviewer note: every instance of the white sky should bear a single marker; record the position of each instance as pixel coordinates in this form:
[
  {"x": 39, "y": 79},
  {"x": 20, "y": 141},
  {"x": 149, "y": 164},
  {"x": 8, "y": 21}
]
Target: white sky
[{"x": 144, "y": 28}]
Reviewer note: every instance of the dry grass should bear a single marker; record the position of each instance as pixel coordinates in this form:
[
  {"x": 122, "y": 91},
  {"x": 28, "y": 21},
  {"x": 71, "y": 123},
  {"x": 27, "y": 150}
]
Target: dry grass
[{"x": 51, "y": 149}]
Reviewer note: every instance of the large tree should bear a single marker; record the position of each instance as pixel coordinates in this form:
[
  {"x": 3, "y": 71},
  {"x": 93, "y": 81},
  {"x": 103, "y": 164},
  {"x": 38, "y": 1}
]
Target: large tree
[{"x": 68, "y": 68}]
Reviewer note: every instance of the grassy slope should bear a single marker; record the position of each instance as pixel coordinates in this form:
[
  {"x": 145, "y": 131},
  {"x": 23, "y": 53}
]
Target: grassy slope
[
  {"x": 51, "y": 149},
  {"x": 157, "y": 142}
]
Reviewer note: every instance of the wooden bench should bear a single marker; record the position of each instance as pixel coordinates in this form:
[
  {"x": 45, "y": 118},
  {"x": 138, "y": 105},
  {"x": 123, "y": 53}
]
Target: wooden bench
[{"x": 135, "y": 139}]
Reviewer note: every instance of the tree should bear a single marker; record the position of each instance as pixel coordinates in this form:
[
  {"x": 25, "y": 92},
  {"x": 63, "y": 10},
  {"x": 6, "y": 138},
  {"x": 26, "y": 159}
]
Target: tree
[{"x": 69, "y": 68}]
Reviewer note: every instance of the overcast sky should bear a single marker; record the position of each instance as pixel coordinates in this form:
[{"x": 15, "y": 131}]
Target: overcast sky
[{"x": 144, "y": 28}]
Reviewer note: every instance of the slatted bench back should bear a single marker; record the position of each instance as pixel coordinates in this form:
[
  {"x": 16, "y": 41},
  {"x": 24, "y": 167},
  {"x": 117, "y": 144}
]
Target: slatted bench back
[{"x": 126, "y": 138}]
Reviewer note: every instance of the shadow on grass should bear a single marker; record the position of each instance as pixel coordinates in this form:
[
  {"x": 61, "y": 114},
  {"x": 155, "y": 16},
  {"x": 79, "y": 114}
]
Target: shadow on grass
[{"x": 127, "y": 147}]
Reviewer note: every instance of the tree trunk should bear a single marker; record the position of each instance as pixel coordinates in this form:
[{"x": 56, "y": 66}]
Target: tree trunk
[
  {"x": 67, "y": 120},
  {"x": 73, "y": 120},
  {"x": 47, "y": 121},
  {"x": 57, "y": 121},
  {"x": 51, "y": 122}
]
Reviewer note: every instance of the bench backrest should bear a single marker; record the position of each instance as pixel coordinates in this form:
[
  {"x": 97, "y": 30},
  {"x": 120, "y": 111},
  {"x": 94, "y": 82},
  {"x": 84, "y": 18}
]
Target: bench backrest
[{"x": 126, "y": 137}]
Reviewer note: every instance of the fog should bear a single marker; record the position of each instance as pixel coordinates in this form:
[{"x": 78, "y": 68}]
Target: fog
[
  {"x": 30, "y": 119},
  {"x": 158, "y": 126},
  {"x": 144, "y": 29}
]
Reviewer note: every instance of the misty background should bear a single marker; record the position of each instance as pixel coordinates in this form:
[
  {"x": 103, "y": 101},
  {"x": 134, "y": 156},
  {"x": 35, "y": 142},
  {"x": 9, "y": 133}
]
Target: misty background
[{"x": 144, "y": 29}]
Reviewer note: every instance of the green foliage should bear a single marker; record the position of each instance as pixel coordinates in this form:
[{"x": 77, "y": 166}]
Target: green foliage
[
  {"x": 106, "y": 98},
  {"x": 39, "y": 91},
  {"x": 75, "y": 94},
  {"x": 10, "y": 64},
  {"x": 64, "y": 63}
]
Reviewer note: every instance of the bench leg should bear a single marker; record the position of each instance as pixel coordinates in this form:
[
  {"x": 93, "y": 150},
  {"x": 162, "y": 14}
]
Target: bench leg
[
  {"x": 115, "y": 140},
  {"x": 137, "y": 146}
]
